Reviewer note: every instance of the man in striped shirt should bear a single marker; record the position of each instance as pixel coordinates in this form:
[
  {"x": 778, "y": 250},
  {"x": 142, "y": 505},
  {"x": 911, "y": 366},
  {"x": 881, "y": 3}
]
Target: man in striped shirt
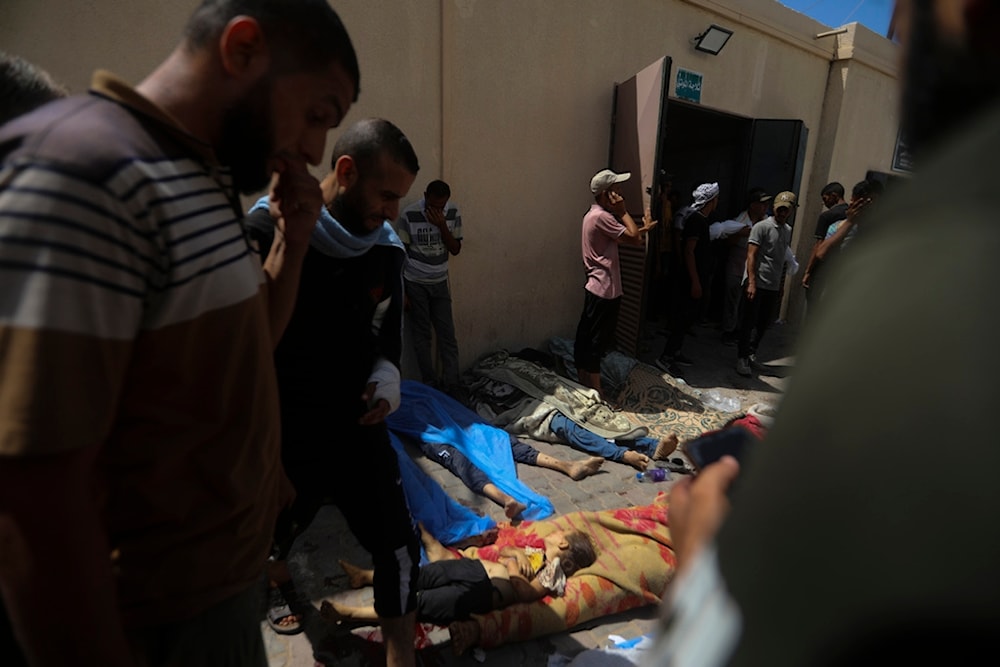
[
  {"x": 431, "y": 230},
  {"x": 139, "y": 431}
]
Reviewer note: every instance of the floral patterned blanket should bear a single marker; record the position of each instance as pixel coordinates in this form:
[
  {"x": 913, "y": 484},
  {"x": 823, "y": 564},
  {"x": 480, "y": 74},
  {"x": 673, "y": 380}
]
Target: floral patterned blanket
[{"x": 635, "y": 561}]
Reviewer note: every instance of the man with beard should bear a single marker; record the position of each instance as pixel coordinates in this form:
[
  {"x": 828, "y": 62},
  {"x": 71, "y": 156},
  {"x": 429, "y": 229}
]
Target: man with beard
[
  {"x": 140, "y": 474},
  {"x": 338, "y": 373},
  {"x": 845, "y": 544}
]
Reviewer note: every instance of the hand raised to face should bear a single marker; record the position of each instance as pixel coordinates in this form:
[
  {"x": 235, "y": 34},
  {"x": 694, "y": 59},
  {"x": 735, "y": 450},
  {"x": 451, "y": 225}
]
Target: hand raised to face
[
  {"x": 295, "y": 199},
  {"x": 616, "y": 203}
]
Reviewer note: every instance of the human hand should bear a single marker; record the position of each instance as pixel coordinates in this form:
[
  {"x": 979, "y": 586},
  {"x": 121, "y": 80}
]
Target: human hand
[
  {"x": 855, "y": 208},
  {"x": 696, "y": 290},
  {"x": 698, "y": 506},
  {"x": 378, "y": 412},
  {"x": 751, "y": 291},
  {"x": 435, "y": 216},
  {"x": 648, "y": 222},
  {"x": 805, "y": 280},
  {"x": 617, "y": 203},
  {"x": 295, "y": 199},
  {"x": 524, "y": 565}
]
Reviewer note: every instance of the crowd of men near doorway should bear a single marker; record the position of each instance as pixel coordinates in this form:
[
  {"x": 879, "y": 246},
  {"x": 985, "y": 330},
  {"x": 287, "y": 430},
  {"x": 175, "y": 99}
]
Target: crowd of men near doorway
[{"x": 732, "y": 273}]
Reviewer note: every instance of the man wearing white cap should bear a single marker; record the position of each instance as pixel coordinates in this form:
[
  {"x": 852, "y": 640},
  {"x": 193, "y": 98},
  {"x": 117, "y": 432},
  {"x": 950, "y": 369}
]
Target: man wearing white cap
[
  {"x": 691, "y": 274},
  {"x": 605, "y": 225}
]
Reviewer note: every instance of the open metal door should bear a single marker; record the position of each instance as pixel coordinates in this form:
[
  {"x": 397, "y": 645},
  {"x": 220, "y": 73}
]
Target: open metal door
[
  {"x": 777, "y": 154},
  {"x": 637, "y": 122}
]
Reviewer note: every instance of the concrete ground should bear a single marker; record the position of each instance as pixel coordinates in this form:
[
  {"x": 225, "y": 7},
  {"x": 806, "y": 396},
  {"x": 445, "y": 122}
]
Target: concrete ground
[{"x": 317, "y": 575}]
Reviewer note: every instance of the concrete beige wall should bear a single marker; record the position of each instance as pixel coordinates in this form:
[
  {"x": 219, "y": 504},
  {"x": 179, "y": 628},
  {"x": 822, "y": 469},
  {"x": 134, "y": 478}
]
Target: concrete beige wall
[
  {"x": 510, "y": 102},
  {"x": 857, "y": 132}
]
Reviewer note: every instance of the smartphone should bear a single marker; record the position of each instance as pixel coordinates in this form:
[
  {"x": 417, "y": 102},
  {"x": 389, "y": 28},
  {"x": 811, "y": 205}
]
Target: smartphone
[{"x": 707, "y": 449}]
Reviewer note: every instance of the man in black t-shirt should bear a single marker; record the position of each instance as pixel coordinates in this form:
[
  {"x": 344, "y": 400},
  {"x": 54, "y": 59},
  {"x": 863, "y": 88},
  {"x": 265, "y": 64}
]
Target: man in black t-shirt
[
  {"x": 836, "y": 210},
  {"x": 691, "y": 276}
]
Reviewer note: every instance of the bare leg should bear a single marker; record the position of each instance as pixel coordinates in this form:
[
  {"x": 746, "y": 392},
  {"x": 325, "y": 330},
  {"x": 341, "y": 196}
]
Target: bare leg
[
  {"x": 511, "y": 507},
  {"x": 636, "y": 459},
  {"x": 335, "y": 612},
  {"x": 435, "y": 550},
  {"x": 481, "y": 540},
  {"x": 399, "y": 634},
  {"x": 278, "y": 575},
  {"x": 665, "y": 447},
  {"x": 464, "y": 635},
  {"x": 573, "y": 469},
  {"x": 357, "y": 577}
]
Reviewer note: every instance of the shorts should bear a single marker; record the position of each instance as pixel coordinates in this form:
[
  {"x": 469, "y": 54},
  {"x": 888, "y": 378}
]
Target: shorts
[{"x": 452, "y": 590}]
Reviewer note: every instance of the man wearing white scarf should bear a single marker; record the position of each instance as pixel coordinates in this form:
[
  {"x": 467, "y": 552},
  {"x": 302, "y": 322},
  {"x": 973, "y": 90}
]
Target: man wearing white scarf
[
  {"x": 338, "y": 370},
  {"x": 691, "y": 274}
]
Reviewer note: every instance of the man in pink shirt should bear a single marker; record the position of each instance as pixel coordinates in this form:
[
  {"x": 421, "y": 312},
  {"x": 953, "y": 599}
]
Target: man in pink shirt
[{"x": 605, "y": 225}]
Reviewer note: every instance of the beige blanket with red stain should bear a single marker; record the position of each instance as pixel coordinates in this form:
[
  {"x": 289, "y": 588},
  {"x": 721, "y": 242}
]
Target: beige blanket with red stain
[{"x": 635, "y": 561}]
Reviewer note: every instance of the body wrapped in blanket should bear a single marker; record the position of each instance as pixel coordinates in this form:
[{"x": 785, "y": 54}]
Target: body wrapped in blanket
[{"x": 635, "y": 562}]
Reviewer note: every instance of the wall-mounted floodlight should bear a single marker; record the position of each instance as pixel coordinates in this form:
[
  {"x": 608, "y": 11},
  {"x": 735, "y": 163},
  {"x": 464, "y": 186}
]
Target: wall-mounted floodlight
[{"x": 713, "y": 39}]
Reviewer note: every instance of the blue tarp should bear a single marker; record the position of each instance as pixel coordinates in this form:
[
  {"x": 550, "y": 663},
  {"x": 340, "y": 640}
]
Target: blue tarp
[{"x": 433, "y": 417}]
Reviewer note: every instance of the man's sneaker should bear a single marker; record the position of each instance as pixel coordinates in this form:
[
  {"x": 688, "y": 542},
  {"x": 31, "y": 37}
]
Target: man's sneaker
[
  {"x": 679, "y": 359},
  {"x": 743, "y": 366},
  {"x": 754, "y": 363},
  {"x": 663, "y": 365}
]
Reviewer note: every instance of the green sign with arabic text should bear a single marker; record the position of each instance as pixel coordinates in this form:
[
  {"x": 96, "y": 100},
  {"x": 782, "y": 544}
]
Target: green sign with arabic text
[{"x": 688, "y": 85}]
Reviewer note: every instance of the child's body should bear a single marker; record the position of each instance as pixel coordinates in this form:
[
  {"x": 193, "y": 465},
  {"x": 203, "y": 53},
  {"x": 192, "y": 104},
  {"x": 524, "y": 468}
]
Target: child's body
[{"x": 451, "y": 588}]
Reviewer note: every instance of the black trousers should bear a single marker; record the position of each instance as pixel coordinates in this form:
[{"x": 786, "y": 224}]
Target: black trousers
[{"x": 757, "y": 316}]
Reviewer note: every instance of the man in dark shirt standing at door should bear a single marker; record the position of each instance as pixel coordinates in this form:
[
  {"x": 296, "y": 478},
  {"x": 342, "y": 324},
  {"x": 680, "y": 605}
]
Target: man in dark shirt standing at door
[
  {"x": 691, "y": 276},
  {"x": 836, "y": 210}
]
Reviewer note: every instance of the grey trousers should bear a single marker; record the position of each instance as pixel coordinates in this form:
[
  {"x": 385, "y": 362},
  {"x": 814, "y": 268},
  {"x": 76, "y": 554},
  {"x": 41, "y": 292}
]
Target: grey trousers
[{"x": 430, "y": 315}]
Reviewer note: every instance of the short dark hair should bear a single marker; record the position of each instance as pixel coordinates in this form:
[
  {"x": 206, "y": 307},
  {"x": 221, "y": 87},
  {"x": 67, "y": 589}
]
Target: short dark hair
[
  {"x": 438, "y": 189},
  {"x": 754, "y": 195},
  {"x": 834, "y": 188},
  {"x": 367, "y": 139},
  {"x": 581, "y": 553},
  {"x": 24, "y": 87},
  {"x": 303, "y": 35},
  {"x": 862, "y": 189}
]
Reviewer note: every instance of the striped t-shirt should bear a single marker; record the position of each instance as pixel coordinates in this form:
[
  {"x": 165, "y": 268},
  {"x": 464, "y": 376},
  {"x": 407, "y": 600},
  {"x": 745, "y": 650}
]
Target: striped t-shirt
[
  {"x": 426, "y": 253},
  {"x": 133, "y": 321}
]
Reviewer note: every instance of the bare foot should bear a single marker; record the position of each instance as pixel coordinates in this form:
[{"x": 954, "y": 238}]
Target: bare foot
[
  {"x": 513, "y": 509},
  {"x": 637, "y": 460},
  {"x": 464, "y": 635},
  {"x": 289, "y": 621},
  {"x": 665, "y": 447},
  {"x": 356, "y": 577},
  {"x": 435, "y": 550},
  {"x": 328, "y": 612},
  {"x": 585, "y": 468}
]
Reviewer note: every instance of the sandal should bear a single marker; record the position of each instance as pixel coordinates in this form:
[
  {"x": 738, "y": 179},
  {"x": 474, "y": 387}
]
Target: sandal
[
  {"x": 279, "y": 610},
  {"x": 675, "y": 465}
]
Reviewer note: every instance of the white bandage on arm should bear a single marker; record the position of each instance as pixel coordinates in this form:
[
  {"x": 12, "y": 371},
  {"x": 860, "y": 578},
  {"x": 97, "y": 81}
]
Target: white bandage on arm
[
  {"x": 385, "y": 375},
  {"x": 793, "y": 263}
]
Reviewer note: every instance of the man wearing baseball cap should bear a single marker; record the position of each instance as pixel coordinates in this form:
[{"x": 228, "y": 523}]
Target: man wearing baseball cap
[
  {"x": 605, "y": 225},
  {"x": 767, "y": 250}
]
